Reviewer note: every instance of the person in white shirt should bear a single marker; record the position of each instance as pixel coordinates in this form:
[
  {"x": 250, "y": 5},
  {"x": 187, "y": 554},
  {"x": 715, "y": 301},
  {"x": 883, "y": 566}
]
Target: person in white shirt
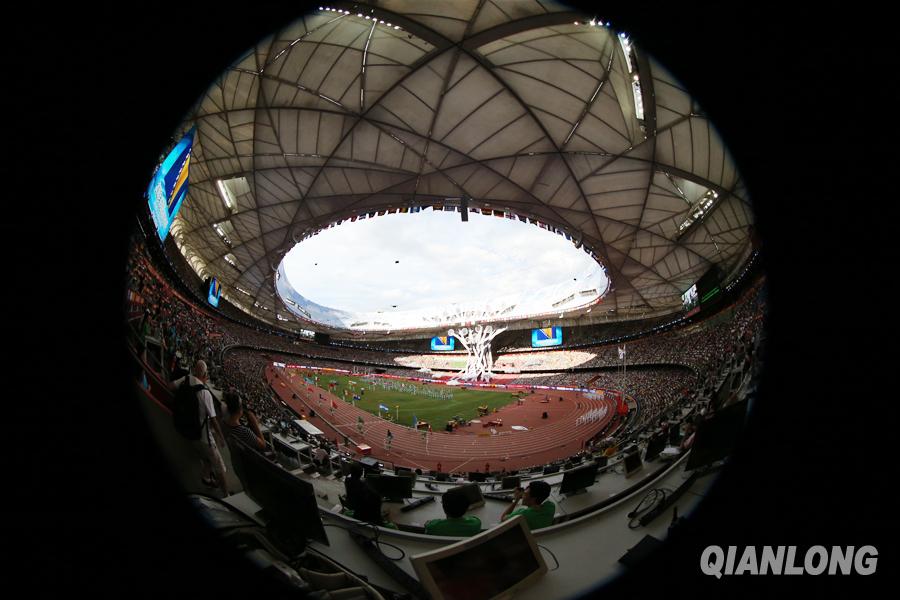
[{"x": 207, "y": 447}]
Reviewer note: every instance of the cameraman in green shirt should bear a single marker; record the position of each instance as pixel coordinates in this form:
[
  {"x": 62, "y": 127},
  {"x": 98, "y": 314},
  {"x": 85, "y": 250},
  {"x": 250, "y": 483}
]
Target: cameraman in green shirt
[{"x": 537, "y": 509}]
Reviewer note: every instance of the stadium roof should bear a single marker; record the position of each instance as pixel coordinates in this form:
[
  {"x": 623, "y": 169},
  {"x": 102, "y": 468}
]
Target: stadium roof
[{"x": 525, "y": 108}]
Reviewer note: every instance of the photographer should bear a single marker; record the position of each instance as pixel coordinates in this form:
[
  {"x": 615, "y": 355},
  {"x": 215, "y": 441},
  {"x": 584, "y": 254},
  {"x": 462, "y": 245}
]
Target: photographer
[
  {"x": 536, "y": 508},
  {"x": 250, "y": 434}
]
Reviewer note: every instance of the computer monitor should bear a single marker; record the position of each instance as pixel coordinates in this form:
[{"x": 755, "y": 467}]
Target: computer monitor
[
  {"x": 399, "y": 470},
  {"x": 288, "y": 503},
  {"x": 475, "y": 476},
  {"x": 675, "y": 435},
  {"x": 472, "y": 493},
  {"x": 393, "y": 488},
  {"x": 370, "y": 465},
  {"x": 442, "y": 477},
  {"x": 655, "y": 446},
  {"x": 632, "y": 462},
  {"x": 715, "y": 438},
  {"x": 601, "y": 461},
  {"x": 345, "y": 467},
  {"x": 578, "y": 480},
  {"x": 490, "y": 565},
  {"x": 551, "y": 469},
  {"x": 511, "y": 483}
]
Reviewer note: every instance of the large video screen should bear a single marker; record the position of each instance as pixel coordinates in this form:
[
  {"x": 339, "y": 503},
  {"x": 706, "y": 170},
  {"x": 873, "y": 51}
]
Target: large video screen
[
  {"x": 546, "y": 336},
  {"x": 169, "y": 185},
  {"x": 215, "y": 289},
  {"x": 689, "y": 298},
  {"x": 443, "y": 342},
  {"x": 708, "y": 286}
]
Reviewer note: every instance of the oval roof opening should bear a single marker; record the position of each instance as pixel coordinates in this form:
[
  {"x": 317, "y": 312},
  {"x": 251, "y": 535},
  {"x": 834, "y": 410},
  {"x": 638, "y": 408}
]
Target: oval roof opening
[{"x": 430, "y": 269}]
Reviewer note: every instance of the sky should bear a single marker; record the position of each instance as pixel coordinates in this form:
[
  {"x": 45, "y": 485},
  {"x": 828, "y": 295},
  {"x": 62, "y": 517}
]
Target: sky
[{"x": 403, "y": 262}]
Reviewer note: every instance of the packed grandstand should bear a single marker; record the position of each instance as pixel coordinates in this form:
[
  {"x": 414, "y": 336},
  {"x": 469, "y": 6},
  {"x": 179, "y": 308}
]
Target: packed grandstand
[
  {"x": 677, "y": 334},
  {"x": 665, "y": 370}
]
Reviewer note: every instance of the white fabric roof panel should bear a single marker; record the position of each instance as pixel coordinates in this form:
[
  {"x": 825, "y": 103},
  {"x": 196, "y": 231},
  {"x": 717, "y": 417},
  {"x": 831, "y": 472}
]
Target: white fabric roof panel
[{"x": 508, "y": 103}]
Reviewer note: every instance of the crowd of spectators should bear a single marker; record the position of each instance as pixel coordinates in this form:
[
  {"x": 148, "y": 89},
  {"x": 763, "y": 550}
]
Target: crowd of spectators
[{"x": 186, "y": 332}]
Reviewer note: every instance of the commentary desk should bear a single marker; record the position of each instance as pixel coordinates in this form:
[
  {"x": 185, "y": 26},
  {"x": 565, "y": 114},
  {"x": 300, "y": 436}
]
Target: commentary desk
[{"x": 587, "y": 546}]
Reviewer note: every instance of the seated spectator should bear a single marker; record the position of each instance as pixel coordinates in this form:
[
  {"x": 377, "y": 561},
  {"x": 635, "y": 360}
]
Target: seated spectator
[
  {"x": 537, "y": 509},
  {"x": 250, "y": 434},
  {"x": 455, "y": 524},
  {"x": 320, "y": 457}
]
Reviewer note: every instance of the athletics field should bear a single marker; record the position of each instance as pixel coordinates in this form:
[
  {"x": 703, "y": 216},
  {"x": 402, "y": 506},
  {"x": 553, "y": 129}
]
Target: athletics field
[{"x": 437, "y": 411}]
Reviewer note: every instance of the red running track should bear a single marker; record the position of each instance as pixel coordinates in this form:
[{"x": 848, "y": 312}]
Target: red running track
[{"x": 470, "y": 448}]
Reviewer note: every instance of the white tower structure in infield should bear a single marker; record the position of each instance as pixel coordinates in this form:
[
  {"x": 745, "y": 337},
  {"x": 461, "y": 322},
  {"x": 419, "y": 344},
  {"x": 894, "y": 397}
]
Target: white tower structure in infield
[{"x": 477, "y": 342}]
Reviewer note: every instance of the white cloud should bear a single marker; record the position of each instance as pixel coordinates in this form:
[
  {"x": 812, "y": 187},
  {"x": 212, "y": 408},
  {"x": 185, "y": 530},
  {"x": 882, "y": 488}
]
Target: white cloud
[{"x": 441, "y": 260}]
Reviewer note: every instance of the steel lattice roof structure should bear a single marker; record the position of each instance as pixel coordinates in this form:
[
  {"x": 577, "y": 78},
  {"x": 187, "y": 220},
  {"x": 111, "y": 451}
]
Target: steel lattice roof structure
[{"x": 524, "y": 107}]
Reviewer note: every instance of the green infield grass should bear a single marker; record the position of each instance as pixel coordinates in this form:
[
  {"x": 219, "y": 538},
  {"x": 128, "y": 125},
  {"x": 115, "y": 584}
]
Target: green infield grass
[{"x": 436, "y": 411}]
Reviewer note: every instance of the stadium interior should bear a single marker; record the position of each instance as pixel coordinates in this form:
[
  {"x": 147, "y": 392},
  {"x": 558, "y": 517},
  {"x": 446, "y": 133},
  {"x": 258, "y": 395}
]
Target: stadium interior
[{"x": 624, "y": 396}]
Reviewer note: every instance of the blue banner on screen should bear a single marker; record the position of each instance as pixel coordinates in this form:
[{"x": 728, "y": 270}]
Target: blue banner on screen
[
  {"x": 215, "y": 288},
  {"x": 169, "y": 185},
  {"x": 546, "y": 336},
  {"x": 444, "y": 342}
]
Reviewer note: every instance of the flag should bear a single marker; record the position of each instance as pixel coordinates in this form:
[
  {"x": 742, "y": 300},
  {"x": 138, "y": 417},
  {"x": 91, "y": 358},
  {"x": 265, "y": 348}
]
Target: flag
[
  {"x": 384, "y": 408},
  {"x": 622, "y": 353}
]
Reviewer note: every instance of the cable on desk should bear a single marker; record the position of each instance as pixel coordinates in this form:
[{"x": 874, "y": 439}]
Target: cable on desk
[
  {"x": 378, "y": 545},
  {"x": 551, "y": 554},
  {"x": 375, "y": 539},
  {"x": 655, "y": 496}
]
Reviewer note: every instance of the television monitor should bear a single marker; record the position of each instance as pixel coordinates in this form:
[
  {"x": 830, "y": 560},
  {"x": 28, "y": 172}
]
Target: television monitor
[
  {"x": 476, "y": 476},
  {"x": 392, "y": 488},
  {"x": 632, "y": 462},
  {"x": 169, "y": 185},
  {"x": 443, "y": 343},
  {"x": 578, "y": 480},
  {"x": 288, "y": 503},
  {"x": 689, "y": 298},
  {"x": 511, "y": 483},
  {"x": 490, "y": 565},
  {"x": 471, "y": 491},
  {"x": 675, "y": 435},
  {"x": 715, "y": 438},
  {"x": 546, "y": 336},
  {"x": 215, "y": 290},
  {"x": 655, "y": 446}
]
